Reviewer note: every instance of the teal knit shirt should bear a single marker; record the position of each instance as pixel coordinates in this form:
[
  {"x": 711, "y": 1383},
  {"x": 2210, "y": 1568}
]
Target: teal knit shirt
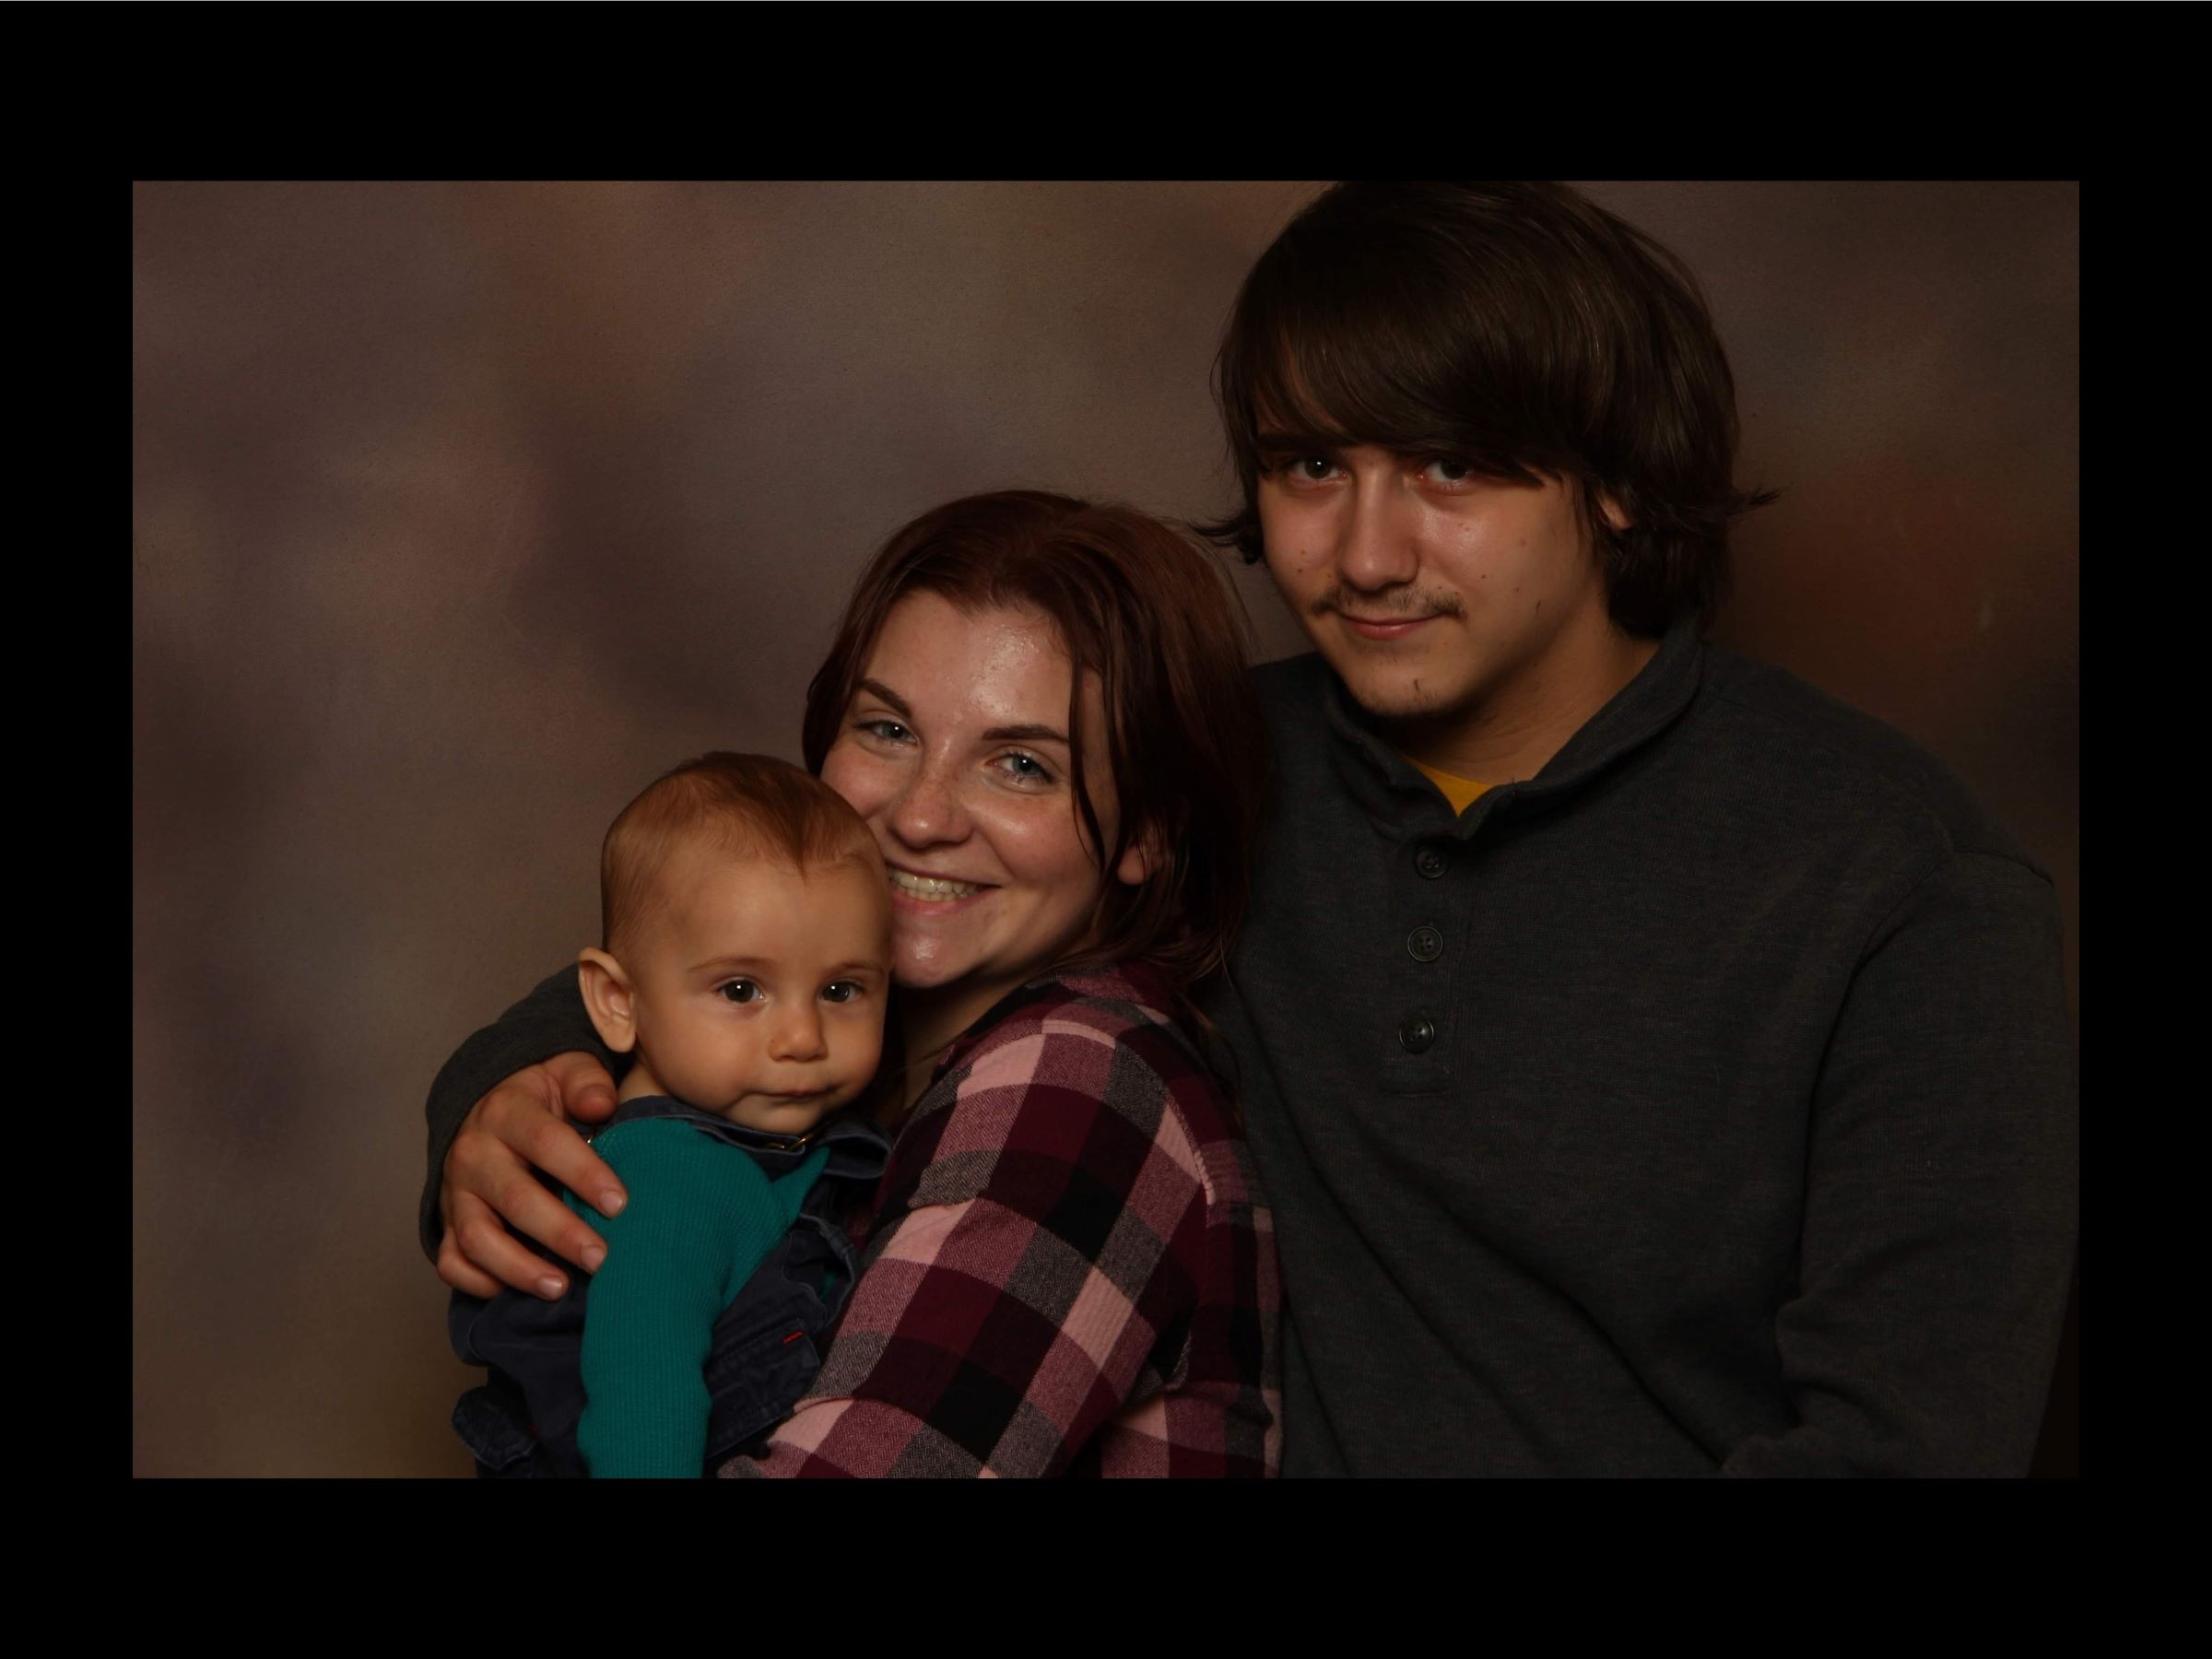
[{"x": 701, "y": 1217}]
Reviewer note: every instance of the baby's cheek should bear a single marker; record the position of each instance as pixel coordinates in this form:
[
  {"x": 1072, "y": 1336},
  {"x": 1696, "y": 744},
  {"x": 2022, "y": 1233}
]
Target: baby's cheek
[{"x": 870, "y": 1052}]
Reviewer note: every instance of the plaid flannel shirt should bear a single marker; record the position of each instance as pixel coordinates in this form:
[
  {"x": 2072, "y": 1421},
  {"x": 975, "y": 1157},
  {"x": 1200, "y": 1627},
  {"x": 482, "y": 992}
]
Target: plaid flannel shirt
[{"x": 1070, "y": 1270}]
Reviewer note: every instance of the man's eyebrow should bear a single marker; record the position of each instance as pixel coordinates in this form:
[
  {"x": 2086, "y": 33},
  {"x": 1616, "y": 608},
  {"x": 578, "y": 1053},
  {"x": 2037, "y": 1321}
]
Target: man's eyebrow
[
  {"x": 884, "y": 693},
  {"x": 1025, "y": 734}
]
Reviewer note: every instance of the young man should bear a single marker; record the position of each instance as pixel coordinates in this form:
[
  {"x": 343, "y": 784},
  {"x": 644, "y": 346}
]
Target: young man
[{"x": 1655, "y": 1066}]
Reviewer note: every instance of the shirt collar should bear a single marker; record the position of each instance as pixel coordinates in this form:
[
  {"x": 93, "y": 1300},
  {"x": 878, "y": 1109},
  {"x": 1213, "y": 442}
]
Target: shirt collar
[
  {"x": 857, "y": 1146},
  {"x": 1389, "y": 786}
]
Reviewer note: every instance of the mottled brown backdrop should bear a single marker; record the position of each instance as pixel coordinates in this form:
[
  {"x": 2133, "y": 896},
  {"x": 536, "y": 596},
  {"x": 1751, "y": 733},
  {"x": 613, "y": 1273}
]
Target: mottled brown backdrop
[{"x": 460, "y": 511}]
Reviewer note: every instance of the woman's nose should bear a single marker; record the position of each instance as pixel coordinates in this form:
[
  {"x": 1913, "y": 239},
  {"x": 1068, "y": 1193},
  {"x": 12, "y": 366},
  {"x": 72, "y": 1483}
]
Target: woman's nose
[
  {"x": 798, "y": 1035},
  {"x": 928, "y": 810}
]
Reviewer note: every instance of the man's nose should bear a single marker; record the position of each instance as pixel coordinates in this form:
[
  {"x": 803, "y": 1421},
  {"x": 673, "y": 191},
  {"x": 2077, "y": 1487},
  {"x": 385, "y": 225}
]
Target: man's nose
[
  {"x": 1375, "y": 537},
  {"x": 798, "y": 1035},
  {"x": 928, "y": 810}
]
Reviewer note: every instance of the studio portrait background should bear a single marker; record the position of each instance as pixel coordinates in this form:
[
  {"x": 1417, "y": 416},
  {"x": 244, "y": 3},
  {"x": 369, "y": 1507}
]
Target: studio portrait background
[{"x": 460, "y": 512}]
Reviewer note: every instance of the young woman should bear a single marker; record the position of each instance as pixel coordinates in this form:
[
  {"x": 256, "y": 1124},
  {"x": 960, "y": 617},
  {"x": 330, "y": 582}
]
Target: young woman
[{"x": 1039, "y": 705}]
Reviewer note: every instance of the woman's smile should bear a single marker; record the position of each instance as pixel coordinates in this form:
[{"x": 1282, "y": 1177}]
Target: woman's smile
[{"x": 934, "y": 891}]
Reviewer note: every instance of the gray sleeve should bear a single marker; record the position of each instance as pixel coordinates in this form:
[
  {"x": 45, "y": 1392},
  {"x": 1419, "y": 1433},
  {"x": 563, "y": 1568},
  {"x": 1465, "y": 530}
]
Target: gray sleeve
[
  {"x": 550, "y": 1020},
  {"x": 1942, "y": 1193}
]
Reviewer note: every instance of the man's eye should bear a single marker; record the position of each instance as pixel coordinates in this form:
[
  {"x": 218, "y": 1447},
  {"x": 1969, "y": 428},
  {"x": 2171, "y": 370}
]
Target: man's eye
[
  {"x": 1299, "y": 469},
  {"x": 1450, "y": 469},
  {"x": 839, "y": 991},
  {"x": 740, "y": 991}
]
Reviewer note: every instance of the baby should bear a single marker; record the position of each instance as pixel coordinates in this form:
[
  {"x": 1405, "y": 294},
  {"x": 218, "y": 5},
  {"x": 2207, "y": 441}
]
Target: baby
[{"x": 745, "y": 960}]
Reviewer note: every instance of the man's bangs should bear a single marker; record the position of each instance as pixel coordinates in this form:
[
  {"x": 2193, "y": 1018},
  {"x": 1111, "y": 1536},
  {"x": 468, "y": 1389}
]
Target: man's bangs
[
  {"x": 1332, "y": 384},
  {"x": 1309, "y": 383}
]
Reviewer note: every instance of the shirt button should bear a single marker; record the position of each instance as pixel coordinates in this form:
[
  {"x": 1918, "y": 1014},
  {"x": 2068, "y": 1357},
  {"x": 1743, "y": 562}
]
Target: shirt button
[
  {"x": 1417, "y": 1033},
  {"x": 1425, "y": 944},
  {"x": 1431, "y": 862}
]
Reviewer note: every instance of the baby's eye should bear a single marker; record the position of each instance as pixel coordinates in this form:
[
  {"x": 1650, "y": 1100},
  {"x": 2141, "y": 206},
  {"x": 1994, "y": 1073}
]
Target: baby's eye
[
  {"x": 839, "y": 991},
  {"x": 740, "y": 991}
]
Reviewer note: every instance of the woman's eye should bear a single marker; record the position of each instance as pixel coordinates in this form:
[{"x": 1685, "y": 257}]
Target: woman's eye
[
  {"x": 839, "y": 991},
  {"x": 740, "y": 991},
  {"x": 889, "y": 731},
  {"x": 1027, "y": 769}
]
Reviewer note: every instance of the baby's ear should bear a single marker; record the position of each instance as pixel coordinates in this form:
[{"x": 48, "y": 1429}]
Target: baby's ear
[{"x": 608, "y": 999}]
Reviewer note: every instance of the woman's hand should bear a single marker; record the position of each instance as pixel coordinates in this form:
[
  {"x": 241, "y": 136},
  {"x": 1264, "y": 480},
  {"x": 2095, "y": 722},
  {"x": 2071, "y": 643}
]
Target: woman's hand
[{"x": 511, "y": 1134}]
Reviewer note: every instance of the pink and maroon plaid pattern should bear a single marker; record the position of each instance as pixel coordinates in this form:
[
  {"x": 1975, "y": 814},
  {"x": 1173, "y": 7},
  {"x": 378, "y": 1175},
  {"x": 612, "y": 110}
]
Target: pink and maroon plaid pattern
[{"x": 1070, "y": 1270}]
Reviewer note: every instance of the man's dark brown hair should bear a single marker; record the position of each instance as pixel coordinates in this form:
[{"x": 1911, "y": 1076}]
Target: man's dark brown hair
[{"x": 1518, "y": 327}]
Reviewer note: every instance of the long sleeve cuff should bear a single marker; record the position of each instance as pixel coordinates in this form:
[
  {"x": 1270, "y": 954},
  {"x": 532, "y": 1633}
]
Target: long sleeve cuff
[{"x": 550, "y": 1020}]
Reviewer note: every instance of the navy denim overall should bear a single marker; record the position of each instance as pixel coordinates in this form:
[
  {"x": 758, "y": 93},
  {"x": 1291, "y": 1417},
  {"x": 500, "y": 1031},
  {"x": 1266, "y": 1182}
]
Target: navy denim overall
[{"x": 767, "y": 1345}]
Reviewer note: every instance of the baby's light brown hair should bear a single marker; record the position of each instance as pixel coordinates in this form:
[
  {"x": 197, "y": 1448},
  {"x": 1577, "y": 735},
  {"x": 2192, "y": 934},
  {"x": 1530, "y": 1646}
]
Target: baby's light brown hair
[{"x": 752, "y": 806}]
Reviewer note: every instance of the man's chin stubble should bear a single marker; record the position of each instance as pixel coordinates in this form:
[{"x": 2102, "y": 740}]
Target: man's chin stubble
[{"x": 1410, "y": 702}]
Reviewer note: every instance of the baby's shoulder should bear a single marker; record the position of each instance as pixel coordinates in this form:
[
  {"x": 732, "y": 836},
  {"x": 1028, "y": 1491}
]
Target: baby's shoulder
[{"x": 667, "y": 1154}]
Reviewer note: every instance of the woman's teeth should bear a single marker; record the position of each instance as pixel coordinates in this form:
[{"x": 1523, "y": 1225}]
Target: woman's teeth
[{"x": 931, "y": 887}]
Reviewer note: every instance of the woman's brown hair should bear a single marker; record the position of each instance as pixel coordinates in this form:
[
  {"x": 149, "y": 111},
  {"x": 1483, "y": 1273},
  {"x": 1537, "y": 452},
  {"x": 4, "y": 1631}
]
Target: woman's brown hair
[
  {"x": 1518, "y": 327},
  {"x": 1151, "y": 615}
]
